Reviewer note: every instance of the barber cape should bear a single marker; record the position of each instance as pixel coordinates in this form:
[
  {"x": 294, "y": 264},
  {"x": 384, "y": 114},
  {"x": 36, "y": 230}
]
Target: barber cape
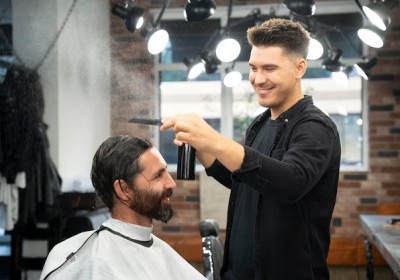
[{"x": 117, "y": 250}]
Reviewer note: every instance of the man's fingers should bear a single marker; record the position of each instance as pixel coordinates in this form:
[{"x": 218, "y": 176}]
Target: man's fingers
[{"x": 167, "y": 123}]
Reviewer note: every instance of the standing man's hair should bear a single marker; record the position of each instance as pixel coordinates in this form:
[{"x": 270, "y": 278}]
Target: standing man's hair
[
  {"x": 116, "y": 158},
  {"x": 289, "y": 35}
]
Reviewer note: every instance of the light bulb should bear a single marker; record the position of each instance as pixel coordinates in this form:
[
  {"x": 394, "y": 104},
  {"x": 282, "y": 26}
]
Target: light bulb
[
  {"x": 232, "y": 79},
  {"x": 369, "y": 37},
  {"x": 196, "y": 70},
  {"x": 158, "y": 41},
  {"x": 315, "y": 49},
  {"x": 228, "y": 50}
]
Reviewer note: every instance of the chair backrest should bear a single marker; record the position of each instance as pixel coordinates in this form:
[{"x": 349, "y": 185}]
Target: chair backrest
[{"x": 213, "y": 249}]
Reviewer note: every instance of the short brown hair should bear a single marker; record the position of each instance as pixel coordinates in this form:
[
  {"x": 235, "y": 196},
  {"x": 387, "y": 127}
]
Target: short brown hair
[{"x": 280, "y": 32}]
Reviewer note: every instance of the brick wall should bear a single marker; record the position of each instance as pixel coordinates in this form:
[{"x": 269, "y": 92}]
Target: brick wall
[
  {"x": 362, "y": 192},
  {"x": 134, "y": 91}
]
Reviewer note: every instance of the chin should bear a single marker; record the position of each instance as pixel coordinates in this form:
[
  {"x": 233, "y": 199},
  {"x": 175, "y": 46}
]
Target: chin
[{"x": 265, "y": 103}]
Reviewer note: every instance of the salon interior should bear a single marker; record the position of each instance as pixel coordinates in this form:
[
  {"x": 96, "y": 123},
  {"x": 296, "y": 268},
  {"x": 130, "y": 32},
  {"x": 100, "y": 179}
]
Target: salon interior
[{"x": 88, "y": 68}]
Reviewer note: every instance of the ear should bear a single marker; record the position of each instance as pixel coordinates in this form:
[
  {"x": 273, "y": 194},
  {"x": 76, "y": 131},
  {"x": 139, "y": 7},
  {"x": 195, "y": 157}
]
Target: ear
[
  {"x": 121, "y": 188},
  {"x": 301, "y": 68}
]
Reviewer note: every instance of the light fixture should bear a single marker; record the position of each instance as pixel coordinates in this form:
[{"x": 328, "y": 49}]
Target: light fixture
[
  {"x": 371, "y": 35},
  {"x": 332, "y": 63},
  {"x": 228, "y": 50},
  {"x": 210, "y": 62},
  {"x": 157, "y": 38},
  {"x": 378, "y": 12},
  {"x": 315, "y": 49},
  {"x": 157, "y": 41},
  {"x": 198, "y": 10},
  {"x": 133, "y": 16},
  {"x": 196, "y": 67},
  {"x": 232, "y": 78},
  {"x": 363, "y": 68},
  {"x": 301, "y": 7},
  {"x": 342, "y": 77}
]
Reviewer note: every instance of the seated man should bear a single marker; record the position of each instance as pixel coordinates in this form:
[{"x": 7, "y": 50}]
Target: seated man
[{"x": 131, "y": 178}]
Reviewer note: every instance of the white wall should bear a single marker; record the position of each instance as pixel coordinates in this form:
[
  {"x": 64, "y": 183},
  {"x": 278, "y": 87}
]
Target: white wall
[{"x": 75, "y": 76}]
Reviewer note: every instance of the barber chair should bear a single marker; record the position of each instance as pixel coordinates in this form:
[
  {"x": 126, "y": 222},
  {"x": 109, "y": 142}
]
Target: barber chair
[
  {"x": 212, "y": 249},
  {"x": 84, "y": 220}
]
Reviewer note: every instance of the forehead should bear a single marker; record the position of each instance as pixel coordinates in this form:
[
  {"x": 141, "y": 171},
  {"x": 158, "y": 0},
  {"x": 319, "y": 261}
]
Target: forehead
[
  {"x": 268, "y": 55},
  {"x": 152, "y": 160}
]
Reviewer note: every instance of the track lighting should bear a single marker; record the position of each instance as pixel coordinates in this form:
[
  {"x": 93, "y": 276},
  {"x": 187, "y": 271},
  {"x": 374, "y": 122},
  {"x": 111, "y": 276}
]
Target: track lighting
[
  {"x": 133, "y": 16},
  {"x": 371, "y": 35},
  {"x": 363, "y": 68},
  {"x": 332, "y": 63},
  {"x": 157, "y": 38},
  {"x": 198, "y": 10},
  {"x": 301, "y": 7},
  {"x": 210, "y": 62},
  {"x": 378, "y": 12},
  {"x": 196, "y": 67}
]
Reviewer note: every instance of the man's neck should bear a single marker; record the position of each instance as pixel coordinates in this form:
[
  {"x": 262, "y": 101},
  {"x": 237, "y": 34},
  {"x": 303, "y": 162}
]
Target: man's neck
[{"x": 127, "y": 215}]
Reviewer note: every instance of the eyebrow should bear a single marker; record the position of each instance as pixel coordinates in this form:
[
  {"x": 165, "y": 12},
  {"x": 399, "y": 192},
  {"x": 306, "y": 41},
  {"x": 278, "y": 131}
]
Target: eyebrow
[
  {"x": 268, "y": 65},
  {"x": 159, "y": 172}
]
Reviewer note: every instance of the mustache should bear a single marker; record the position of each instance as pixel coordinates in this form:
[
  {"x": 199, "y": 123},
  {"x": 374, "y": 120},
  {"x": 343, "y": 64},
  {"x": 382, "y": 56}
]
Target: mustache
[{"x": 167, "y": 193}]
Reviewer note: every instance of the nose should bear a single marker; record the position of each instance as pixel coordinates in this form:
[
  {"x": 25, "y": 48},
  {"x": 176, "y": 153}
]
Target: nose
[
  {"x": 256, "y": 78},
  {"x": 170, "y": 184}
]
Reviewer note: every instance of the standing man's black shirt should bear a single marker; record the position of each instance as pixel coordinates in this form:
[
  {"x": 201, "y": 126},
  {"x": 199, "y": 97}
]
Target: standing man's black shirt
[{"x": 243, "y": 233}]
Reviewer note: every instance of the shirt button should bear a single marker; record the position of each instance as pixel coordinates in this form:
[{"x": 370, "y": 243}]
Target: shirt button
[{"x": 286, "y": 120}]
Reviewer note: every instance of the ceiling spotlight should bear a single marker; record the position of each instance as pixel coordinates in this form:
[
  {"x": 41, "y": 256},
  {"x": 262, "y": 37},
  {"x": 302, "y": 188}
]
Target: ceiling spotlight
[
  {"x": 363, "y": 68},
  {"x": 157, "y": 41},
  {"x": 228, "y": 50},
  {"x": 133, "y": 16},
  {"x": 210, "y": 62},
  {"x": 378, "y": 12},
  {"x": 371, "y": 35},
  {"x": 315, "y": 49},
  {"x": 157, "y": 38},
  {"x": 198, "y": 10},
  {"x": 332, "y": 63},
  {"x": 301, "y": 7},
  {"x": 232, "y": 78},
  {"x": 196, "y": 67}
]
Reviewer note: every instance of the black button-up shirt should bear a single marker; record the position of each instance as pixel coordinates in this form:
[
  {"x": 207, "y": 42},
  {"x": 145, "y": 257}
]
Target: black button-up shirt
[{"x": 297, "y": 185}]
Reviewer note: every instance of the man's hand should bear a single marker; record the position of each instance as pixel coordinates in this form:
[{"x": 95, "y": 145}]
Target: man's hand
[{"x": 209, "y": 144}]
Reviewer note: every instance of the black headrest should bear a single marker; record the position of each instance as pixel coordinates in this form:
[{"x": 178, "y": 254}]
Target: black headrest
[{"x": 209, "y": 227}]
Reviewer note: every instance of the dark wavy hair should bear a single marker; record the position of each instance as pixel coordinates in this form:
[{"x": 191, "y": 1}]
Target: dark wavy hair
[
  {"x": 284, "y": 33},
  {"x": 116, "y": 158}
]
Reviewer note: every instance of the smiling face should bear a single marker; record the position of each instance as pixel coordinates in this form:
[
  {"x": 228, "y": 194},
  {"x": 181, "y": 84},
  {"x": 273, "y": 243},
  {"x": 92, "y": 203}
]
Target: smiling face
[
  {"x": 153, "y": 188},
  {"x": 275, "y": 77}
]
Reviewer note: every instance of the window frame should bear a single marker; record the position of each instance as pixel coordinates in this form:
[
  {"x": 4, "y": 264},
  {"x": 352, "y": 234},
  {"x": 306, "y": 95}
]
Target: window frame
[{"x": 226, "y": 122}]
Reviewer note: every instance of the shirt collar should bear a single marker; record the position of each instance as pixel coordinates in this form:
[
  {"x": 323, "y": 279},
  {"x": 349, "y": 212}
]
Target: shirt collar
[
  {"x": 291, "y": 112},
  {"x": 296, "y": 108}
]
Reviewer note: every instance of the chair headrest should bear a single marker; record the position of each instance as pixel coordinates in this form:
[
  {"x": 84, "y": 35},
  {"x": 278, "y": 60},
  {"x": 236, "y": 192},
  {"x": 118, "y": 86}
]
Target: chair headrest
[{"x": 209, "y": 227}]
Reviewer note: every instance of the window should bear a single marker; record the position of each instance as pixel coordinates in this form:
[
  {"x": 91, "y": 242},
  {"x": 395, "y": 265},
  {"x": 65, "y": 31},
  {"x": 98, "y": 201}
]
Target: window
[{"x": 230, "y": 110}]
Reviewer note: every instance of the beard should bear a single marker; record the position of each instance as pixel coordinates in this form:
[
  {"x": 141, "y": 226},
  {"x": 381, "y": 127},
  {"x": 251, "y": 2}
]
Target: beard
[{"x": 149, "y": 204}]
